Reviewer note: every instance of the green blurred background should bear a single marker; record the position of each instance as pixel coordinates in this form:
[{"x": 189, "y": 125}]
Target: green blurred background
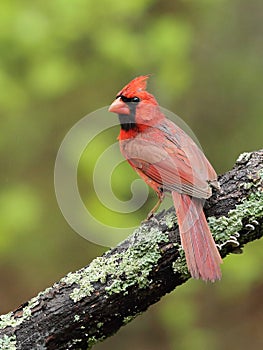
[{"x": 60, "y": 60}]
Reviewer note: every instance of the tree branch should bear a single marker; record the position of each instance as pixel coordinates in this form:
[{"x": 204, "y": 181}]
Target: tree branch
[{"x": 93, "y": 303}]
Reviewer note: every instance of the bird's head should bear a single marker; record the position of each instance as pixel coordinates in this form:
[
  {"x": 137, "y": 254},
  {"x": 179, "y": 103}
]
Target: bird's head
[{"x": 135, "y": 106}]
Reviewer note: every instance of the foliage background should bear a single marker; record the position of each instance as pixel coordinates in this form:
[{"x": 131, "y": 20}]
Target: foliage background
[{"x": 60, "y": 60}]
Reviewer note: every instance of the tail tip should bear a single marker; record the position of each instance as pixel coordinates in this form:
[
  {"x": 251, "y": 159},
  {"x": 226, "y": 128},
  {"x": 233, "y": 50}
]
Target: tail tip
[{"x": 208, "y": 276}]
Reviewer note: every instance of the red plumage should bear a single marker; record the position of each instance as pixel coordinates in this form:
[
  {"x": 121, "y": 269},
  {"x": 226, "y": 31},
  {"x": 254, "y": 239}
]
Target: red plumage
[{"x": 168, "y": 160}]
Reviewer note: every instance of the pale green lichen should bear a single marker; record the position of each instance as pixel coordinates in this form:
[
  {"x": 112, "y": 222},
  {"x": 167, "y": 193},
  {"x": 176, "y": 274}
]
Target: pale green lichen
[
  {"x": 92, "y": 341},
  {"x": 8, "y": 320},
  {"x": 8, "y": 343},
  {"x": 180, "y": 266},
  {"x": 251, "y": 208},
  {"x": 170, "y": 220},
  {"x": 99, "y": 324},
  {"x": 255, "y": 182},
  {"x": 76, "y": 318},
  {"x": 122, "y": 269},
  {"x": 243, "y": 157},
  {"x": 128, "y": 319},
  {"x": 225, "y": 227}
]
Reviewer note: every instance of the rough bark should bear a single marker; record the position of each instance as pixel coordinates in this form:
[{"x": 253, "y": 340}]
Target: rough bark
[{"x": 91, "y": 304}]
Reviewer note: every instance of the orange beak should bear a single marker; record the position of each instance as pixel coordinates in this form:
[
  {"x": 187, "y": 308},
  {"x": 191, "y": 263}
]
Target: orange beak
[{"x": 119, "y": 107}]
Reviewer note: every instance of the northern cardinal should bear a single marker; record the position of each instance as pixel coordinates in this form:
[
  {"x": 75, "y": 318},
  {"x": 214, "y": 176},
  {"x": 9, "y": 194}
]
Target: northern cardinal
[{"x": 168, "y": 160}]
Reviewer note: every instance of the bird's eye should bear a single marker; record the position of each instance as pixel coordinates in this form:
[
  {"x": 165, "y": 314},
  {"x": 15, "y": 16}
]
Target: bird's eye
[
  {"x": 135, "y": 99},
  {"x": 129, "y": 99}
]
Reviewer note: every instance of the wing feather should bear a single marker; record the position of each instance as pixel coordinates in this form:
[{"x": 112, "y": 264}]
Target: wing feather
[{"x": 171, "y": 159}]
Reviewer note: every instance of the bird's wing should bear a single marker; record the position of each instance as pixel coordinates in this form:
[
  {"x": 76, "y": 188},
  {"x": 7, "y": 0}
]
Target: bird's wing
[
  {"x": 195, "y": 156},
  {"x": 175, "y": 168}
]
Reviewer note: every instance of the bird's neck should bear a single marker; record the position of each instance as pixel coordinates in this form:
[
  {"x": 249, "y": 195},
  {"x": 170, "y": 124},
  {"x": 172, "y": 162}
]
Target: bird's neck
[
  {"x": 127, "y": 121},
  {"x": 127, "y": 134},
  {"x": 129, "y": 128}
]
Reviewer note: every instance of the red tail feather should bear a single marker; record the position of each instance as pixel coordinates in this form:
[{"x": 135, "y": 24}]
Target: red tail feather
[{"x": 202, "y": 257}]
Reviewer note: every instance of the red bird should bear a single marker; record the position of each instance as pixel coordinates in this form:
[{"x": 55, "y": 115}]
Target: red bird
[{"x": 168, "y": 160}]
